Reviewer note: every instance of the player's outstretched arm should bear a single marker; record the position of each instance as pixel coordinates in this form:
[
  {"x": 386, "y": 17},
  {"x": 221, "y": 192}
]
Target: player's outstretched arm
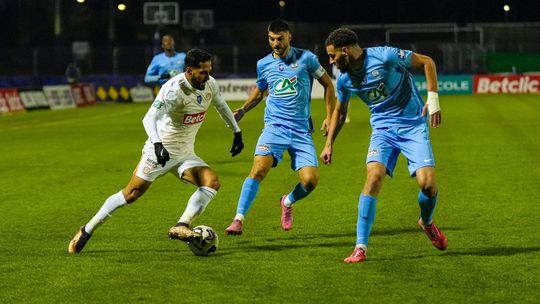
[
  {"x": 150, "y": 126},
  {"x": 432, "y": 105},
  {"x": 330, "y": 99},
  {"x": 336, "y": 123},
  {"x": 253, "y": 100},
  {"x": 152, "y": 75},
  {"x": 227, "y": 115}
]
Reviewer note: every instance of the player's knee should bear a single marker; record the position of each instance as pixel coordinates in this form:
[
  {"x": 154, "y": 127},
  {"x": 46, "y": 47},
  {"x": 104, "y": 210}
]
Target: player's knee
[
  {"x": 258, "y": 174},
  {"x": 430, "y": 190},
  {"x": 373, "y": 183},
  {"x": 375, "y": 178},
  {"x": 311, "y": 183},
  {"x": 213, "y": 183}
]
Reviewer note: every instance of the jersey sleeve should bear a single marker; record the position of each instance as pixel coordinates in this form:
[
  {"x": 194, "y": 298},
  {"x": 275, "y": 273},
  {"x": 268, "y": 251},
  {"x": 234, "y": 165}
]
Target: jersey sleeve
[
  {"x": 152, "y": 72},
  {"x": 397, "y": 57},
  {"x": 343, "y": 94},
  {"x": 262, "y": 84},
  {"x": 221, "y": 106},
  {"x": 314, "y": 67}
]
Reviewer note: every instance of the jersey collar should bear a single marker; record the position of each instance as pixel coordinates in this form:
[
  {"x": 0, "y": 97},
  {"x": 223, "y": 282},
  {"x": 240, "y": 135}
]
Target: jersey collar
[{"x": 184, "y": 84}]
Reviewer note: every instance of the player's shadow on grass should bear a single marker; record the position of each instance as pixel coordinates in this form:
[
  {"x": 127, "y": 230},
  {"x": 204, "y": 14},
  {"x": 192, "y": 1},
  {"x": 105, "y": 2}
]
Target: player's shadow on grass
[
  {"x": 374, "y": 232},
  {"x": 495, "y": 251},
  {"x": 284, "y": 246}
]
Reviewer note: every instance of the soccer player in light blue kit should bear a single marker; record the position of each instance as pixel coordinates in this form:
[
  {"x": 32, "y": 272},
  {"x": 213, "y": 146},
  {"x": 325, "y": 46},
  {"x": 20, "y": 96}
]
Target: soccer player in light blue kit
[
  {"x": 380, "y": 77},
  {"x": 287, "y": 76},
  {"x": 165, "y": 64}
]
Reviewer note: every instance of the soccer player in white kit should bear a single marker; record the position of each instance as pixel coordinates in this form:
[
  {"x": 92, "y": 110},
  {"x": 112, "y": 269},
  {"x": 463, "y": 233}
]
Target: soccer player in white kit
[{"x": 172, "y": 123}]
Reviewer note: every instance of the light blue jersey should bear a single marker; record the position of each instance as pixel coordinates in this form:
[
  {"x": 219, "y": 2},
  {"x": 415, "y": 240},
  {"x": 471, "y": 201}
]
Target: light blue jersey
[
  {"x": 161, "y": 63},
  {"x": 386, "y": 86},
  {"x": 289, "y": 81}
]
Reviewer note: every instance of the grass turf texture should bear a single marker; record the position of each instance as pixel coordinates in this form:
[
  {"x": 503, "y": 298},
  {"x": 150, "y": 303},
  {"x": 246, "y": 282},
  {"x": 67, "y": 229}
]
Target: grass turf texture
[{"x": 59, "y": 166}]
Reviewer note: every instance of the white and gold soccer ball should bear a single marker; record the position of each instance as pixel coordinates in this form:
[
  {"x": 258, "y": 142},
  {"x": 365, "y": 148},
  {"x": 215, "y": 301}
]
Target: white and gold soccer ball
[{"x": 208, "y": 243}]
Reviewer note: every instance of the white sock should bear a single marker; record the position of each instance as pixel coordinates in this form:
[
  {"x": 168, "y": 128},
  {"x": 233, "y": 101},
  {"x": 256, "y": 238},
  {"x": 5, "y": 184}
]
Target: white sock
[
  {"x": 239, "y": 216},
  {"x": 287, "y": 202},
  {"x": 363, "y": 246},
  {"x": 114, "y": 202},
  {"x": 197, "y": 203}
]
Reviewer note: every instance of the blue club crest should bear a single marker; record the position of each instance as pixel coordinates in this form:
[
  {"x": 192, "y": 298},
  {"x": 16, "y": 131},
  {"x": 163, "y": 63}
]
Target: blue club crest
[{"x": 199, "y": 99}]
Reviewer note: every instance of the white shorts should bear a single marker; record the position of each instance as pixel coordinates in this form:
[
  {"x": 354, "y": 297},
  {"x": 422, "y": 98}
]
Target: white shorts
[{"x": 149, "y": 170}]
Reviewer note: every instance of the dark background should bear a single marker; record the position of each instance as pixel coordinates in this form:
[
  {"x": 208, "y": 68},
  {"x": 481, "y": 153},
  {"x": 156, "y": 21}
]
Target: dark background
[{"x": 31, "y": 22}]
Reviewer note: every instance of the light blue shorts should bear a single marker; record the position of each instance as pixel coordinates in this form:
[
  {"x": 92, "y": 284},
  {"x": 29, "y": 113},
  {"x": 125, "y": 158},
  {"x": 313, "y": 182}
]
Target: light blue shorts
[
  {"x": 275, "y": 139},
  {"x": 412, "y": 141}
]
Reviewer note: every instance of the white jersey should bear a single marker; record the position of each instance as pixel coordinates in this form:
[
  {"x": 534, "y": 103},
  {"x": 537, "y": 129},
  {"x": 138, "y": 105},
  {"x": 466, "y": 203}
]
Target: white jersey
[{"x": 178, "y": 112}]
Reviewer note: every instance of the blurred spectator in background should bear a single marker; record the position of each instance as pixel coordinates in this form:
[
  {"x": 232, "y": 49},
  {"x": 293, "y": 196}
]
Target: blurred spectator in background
[
  {"x": 73, "y": 73},
  {"x": 166, "y": 64}
]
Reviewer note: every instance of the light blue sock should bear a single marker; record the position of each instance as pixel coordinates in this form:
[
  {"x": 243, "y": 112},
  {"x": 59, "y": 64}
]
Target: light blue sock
[
  {"x": 247, "y": 196},
  {"x": 366, "y": 216},
  {"x": 427, "y": 206},
  {"x": 298, "y": 193}
]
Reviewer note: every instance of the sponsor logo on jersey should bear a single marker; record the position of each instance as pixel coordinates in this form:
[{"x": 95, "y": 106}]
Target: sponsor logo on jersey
[
  {"x": 208, "y": 96},
  {"x": 190, "y": 119},
  {"x": 294, "y": 65},
  {"x": 158, "y": 104},
  {"x": 377, "y": 95},
  {"x": 263, "y": 147},
  {"x": 375, "y": 73},
  {"x": 373, "y": 152},
  {"x": 146, "y": 171},
  {"x": 285, "y": 87},
  {"x": 150, "y": 162},
  {"x": 401, "y": 54}
]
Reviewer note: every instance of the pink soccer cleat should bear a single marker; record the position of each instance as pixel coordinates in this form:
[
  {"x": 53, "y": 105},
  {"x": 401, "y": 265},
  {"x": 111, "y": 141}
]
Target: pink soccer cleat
[
  {"x": 235, "y": 228},
  {"x": 358, "y": 256},
  {"x": 286, "y": 215},
  {"x": 437, "y": 238}
]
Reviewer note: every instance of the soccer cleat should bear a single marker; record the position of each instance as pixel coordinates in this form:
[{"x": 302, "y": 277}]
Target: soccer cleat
[
  {"x": 184, "y": 234},
  {"x": 235, "y": 228},
  {"x": 286, "y": 215},
  {"x": 79, "y": 240},
  {"x": 437, "y": 238},
  {"x": 358, "y": 256}
]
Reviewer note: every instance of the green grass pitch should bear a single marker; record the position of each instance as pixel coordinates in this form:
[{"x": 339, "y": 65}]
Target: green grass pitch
[{"x": 57, "y": 168}]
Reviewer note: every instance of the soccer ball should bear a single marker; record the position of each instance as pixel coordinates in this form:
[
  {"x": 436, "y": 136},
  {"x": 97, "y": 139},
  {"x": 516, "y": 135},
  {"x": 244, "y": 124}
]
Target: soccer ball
[{"x": 208, "y": 243}]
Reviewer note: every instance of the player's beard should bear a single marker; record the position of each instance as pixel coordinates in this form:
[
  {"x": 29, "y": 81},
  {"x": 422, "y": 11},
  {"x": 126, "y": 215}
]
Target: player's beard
[
  {"x": 343, "y": 65},
  {"x": 199, "y": 85}
]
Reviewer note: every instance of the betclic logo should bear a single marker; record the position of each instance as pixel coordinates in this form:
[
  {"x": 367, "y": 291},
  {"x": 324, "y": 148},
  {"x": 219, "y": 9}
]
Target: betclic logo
[{"x": 191, "y": 119}]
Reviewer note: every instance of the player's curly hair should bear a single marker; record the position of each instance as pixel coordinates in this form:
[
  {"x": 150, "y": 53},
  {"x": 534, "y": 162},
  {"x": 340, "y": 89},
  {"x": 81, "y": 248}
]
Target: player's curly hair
[
  {"x": 279, "y": 25},
  {"x": 195, "y": 57},
  {"x": 342, "y": 37}
]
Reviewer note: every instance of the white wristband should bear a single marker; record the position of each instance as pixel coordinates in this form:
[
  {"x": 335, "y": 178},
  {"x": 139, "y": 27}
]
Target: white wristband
[{"x": 433, "y": 102}]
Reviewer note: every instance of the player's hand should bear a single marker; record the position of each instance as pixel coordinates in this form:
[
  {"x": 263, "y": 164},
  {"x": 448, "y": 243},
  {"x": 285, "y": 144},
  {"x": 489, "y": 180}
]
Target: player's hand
[
  {"x": 434, "y": 119},
  {"x": 238, "y": 114},
  {"x": 165, "y": 76},
  {"x": 161, "y": 153},
  {"x": 237, "y": 145},
  {"x": 326, "y": 155},
  {"x": 324, "y": 127}
]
